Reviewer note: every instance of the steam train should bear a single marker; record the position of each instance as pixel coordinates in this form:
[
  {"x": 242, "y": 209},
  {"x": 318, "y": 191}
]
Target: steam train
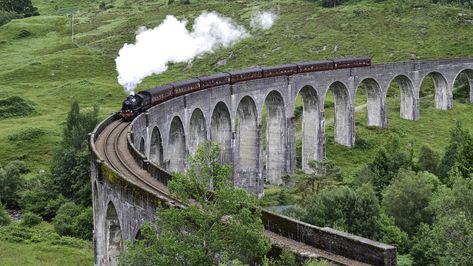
[{"x": 136, "y": 104}]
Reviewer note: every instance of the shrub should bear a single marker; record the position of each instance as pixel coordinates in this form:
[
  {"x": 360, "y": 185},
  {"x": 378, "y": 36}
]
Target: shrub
[
  {"x": 15, "y": 106},
  {"x": 23, "y": 34},
  {"x": 21, "y": 7},
  {"x": 361, "y": 143},
  {"x": 39, "y": 198},
  {"x": 354, "y": 211},
  {"x": 6, "y": 17},
  {"x": 10, "y": 183},
  {"x": 286, "y": 258},
  {"x": 31, "y": 219},
  {"x": 74, "y": 220},
  {"x": 27, "y": 134},
  {"x": 428, "y": 160},
  {"x": 4, "y": 217},
  {"x": 64, "y": 220}
]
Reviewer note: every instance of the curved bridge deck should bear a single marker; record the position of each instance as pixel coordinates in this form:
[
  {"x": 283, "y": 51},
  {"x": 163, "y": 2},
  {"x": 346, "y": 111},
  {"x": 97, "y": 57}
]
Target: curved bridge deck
[{"x": 113, "y": 148}]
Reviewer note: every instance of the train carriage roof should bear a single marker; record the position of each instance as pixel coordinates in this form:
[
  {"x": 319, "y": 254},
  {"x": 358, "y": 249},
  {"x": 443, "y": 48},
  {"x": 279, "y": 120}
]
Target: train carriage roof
[
  {"x": 184, "y": 83},
  {"x": 283, "y": 66},
  {"x": 159, "y": 89},
  {"x": 215, "y": 76},
  {"x": 318, "y": 62},
  {"x": 246, "y": 71},
  {"x": 351, "y": 59}
]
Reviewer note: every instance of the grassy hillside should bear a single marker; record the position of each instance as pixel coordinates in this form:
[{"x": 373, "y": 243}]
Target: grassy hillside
[
  {"x": 42, "y": 65},
  {"x": 41, "y": 245},
  {"x": 43, "y": 68},
  {"x": 13, "y": 254}
]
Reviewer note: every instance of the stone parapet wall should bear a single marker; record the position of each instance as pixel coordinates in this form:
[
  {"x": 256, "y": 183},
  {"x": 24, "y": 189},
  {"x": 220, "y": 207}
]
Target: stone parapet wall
[{"x": 331, "y": 240}]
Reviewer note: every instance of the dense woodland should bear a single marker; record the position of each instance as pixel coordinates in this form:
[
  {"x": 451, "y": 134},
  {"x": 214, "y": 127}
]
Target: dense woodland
[{"x": 410, "y": 185}]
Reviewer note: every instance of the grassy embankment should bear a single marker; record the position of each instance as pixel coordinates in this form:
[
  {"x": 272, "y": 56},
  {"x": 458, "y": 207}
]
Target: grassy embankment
[
  {"x": 41, "y": 245},
  {"x": 44, "y": 67}
]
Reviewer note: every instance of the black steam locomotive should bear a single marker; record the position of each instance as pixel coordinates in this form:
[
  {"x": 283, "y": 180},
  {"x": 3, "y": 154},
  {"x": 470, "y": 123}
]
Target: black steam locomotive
[{"x": 135, "y": 104}]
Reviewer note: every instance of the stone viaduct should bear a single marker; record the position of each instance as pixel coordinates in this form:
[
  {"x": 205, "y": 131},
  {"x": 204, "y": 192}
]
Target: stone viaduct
[
  {"x": 233, "y": 116},
  {"x": 254, "y": 123}
]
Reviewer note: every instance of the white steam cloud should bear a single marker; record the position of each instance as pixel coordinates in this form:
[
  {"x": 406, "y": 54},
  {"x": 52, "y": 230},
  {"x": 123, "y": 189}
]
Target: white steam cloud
[
  {"x": 263, "y": 20},
  {"x": 171, "y": 42}
]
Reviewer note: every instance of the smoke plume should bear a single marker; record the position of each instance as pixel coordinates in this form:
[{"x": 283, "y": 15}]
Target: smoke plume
[
  {"x": 171, "y": 42},
  {"x": 263, "y": 20}
]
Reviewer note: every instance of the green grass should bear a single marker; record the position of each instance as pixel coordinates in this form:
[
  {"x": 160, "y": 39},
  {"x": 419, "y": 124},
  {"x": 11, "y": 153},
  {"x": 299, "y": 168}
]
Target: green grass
[
  {"x": 42, "y": 65},
  {"x": 45, "y": 67},
  {"x": 40, "y": 245},
  {"x": 43, "y": 254}
]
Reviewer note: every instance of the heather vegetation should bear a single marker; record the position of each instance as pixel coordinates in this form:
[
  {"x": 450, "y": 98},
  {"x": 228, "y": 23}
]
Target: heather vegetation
[{"x": 408, "y": 185}]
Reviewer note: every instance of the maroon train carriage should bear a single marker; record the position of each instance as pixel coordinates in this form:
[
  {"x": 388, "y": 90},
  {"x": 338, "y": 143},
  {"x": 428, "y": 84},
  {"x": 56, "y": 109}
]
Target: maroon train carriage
[
  {"x": 244, "y": 75},
  {"x": 314, "y": 66},
  {"x": 279, "y": 70},
  {"x": 186, "y": 86},
  {"x": 135, "y": 104},
  {"x": 161, "y": 94},
  {"x": 351, "y": 62},
  {"x": 214, "y": 80}
]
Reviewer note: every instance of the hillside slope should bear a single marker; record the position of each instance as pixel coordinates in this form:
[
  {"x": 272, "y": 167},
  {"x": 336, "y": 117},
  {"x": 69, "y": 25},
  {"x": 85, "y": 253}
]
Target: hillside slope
[{"x": 41, "y": 64}]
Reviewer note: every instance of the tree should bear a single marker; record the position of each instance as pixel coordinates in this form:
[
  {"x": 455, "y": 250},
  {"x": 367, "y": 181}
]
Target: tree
[
  {"x": 71, "y": 173},
  {"x": 22, "y": 7},
  {"x": 11, "y": 182},
  {"x": 459, "y": 154},
  {"x": 449, "y": 239},
  {"x": 447, "y": 242},
  {"x": 387, "y": 163},
  {"x": 428, "y": 160},
  {"x": 221, "y": 224},
  {"x": 74, "y": 220},
  {"x": 323, "y": 173},
  {"x": 391, "y": 234},
  {"x": 450, "y": 201},
  {"x": 354, "y": 211},
  {"x": 407, "y": 199}
]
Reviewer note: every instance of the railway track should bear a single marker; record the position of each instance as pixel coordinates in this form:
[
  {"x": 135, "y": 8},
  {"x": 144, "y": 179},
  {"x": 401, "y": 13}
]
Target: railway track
[{"x": 112, "y": 147}]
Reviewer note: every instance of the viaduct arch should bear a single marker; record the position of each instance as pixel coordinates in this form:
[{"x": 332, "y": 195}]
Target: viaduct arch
[{"x": 232, "y": 115}]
